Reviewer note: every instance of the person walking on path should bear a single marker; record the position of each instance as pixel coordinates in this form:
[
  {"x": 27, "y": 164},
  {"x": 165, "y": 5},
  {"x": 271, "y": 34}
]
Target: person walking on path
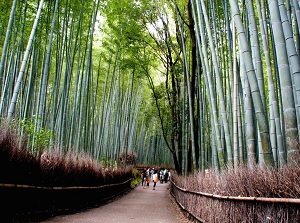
[
  {"x": 161, "y": 176},
  {"x": 147, "y": 178},
  {"x": 166, "y": 177},
  {"x": 144, "y": 177},
  {"x": 155, "y": 179}
]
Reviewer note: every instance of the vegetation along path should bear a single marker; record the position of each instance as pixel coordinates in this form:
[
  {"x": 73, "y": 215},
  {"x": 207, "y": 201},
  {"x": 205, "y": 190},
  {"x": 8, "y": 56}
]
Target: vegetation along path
[{"x": 140, "y": 205}]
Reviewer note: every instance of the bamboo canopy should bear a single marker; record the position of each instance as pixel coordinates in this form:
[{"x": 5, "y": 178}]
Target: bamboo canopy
[{"x": 194, "y": 84}]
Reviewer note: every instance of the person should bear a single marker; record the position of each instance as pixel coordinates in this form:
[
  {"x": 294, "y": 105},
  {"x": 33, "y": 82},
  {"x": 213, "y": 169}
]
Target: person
[
  {"x": 151, "y": 171},
  {"x": 166, "y": 177},
  {"x": 144, "y": 177},
  {"x": 161, "y": 176},
  {"x": 155, "y": 179}
]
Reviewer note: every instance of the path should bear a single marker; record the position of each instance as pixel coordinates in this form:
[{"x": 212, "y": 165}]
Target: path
[{"x": 138, "y": 206}]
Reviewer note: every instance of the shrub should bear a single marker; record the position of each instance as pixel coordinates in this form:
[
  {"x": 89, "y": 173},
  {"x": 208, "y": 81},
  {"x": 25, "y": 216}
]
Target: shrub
[{"x": 136, "y": 178}]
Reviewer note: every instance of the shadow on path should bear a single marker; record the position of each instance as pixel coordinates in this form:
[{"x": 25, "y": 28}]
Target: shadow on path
[{"x": 138, "y": 206}]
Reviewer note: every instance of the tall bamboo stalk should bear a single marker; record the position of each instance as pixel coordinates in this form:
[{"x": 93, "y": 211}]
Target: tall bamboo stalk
[
  {"x": 258, "y": 104},
  {"x": 13, "y": 102},
  {"x": 6, "y": 41},
  {"x": 288, "y": 102}
]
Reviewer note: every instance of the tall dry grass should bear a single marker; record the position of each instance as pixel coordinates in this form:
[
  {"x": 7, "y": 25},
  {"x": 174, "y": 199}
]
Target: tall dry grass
[
  {"x": 27, "y": 181},
  {"x": 18, "y": 166},
  {"x": 241, "y": 182}
]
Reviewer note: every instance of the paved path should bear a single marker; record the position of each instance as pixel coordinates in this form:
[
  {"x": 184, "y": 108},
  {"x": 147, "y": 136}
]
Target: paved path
[{"x": 138, "y": 206}]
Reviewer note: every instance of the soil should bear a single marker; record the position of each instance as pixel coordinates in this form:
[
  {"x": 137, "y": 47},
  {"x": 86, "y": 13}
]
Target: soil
[{"x": 138, "y": 206}]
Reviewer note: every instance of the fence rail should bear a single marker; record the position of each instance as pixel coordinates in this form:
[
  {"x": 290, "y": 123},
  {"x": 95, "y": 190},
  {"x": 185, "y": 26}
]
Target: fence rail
[{"x": 62, "y": 188}]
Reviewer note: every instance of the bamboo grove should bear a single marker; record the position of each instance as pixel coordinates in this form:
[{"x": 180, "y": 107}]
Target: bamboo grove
[
  {"x": 246, "y": 57},
  {"x": 194, "y": 83},
  {"x": 66, "y": 92}
]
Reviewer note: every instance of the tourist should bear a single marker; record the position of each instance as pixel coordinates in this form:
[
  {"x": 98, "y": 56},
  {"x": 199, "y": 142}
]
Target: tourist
[
  {"x": 166, "y": 176},
  {"x": 144, "y": 177},
  {"x": 161, "y": 176},
  {"x": 155, "y": 179}
]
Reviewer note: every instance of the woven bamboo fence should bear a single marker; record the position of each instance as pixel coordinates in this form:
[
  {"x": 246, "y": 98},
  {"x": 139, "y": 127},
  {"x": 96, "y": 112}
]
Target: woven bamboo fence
[
  {"x": 31, "y": 203},
  {"x": 206, "y": 207}
]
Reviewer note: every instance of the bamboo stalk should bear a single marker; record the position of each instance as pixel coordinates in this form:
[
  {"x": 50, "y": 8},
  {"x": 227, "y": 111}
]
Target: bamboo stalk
[{"x": 12, "y": 105}]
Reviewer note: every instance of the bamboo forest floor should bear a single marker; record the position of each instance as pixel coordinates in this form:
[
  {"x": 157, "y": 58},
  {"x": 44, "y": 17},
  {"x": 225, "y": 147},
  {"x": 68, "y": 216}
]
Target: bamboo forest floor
[{"x": 138, "y": 206}]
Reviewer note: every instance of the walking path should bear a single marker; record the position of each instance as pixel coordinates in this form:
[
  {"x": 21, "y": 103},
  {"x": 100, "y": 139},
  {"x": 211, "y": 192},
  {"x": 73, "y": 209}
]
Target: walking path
[{"x": 138, "y": 206}]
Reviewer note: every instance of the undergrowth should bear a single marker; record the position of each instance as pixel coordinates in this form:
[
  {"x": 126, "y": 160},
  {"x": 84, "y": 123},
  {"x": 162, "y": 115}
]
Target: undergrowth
[
  {"x": 27, "y": 180},
  {"x": 241, "y": 182},
  {"x": 51, "y": 168},
  {"x": 246, "y": 182}
]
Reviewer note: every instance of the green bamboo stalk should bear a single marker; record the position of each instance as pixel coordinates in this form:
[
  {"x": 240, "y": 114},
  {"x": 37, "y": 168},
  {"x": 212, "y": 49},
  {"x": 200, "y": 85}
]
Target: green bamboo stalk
[
  {"x": 241, "y": 135},
  {"x": 256, "y": 50},
  {"x": 191, "y": 111},
  {"x": 296, "y": 18},
  {"x": 249, "y": 122},
  {"x": 288, "y": 104},
  {"x": 235, "y": 106},
  {"x": 273, "y": 102},
  {"x": 6, "y": 41},
  {"x": 258, "y": 104},
  {"x": 184, "y": 131},
  {"x": 208, "y": 75},
  {"x": 11, "y": 109},
  {"x": 42, "y": 100},
  {"x": 293, "y": 60},
  {"x": 219, "y": 85},
  {"x": 76, "y": 93}
]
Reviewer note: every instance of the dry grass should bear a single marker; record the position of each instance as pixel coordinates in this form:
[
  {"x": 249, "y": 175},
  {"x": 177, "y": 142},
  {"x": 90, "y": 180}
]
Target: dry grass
[
  {"x": 242, "y": 182},
  {"x": 18, "y": 167}
]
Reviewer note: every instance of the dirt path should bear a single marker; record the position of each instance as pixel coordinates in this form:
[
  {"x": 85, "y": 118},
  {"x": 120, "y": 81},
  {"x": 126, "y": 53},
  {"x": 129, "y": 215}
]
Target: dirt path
[{"x": 138, "y": 206}]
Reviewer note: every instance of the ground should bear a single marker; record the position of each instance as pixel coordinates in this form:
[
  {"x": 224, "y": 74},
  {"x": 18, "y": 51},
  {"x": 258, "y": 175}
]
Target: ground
[{"x": 138, "y": 206}]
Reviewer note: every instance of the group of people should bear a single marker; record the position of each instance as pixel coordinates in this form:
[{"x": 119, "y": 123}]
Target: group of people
[
  {"x": 164, "y": 175},
  {"x": 152, "y": 175}
]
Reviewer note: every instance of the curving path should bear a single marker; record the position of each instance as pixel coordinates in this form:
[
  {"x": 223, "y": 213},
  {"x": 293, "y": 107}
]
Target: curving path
[{"x": 138, "y": 206}]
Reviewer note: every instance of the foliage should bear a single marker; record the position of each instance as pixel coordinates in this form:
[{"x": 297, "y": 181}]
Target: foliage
[
  {"x": 136, "y": 177},
  {"x": 129, "y": 159},
  {"x": 4, "y": 18},
  {"x": 38, "y": 140}
]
